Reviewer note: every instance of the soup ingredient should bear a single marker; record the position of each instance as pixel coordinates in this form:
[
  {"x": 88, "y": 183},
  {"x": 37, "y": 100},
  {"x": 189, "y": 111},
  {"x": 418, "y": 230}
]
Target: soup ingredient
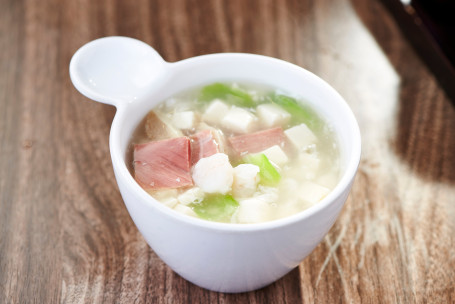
[
  {"x": 216, "y": 207},
  {"x": 231, "y": 95},
  {"x": 185, "y": 210},
  {"x": 276, "y": 155},
  {"x": 253, "y": 210},
  {"x": 163, "y": 164},
  {"x": 214, "y": 174},
  {"x": 258, "y": 141},
  {"x": 215, "y": 112},
  {"x": 258, "y": 208},
  {"x": 301, "y": 137},
  {"x": 267, "y": 172},
  {"x": 271, "y": 115},
  {"x": 307, "y": 166},
  {"x": 203, "y": 144},
  {"x": 246, "y": 178},
  {"x": 299, "y": 112},
  {"x": 235, "y": 155},
  {"x": 184, "y": 120},
  {"x": 313, "y": 193},
  {"x": 239, "y": 120},
  {"x": 157, "y": 129},
  {"x": 193, "y": 195}
]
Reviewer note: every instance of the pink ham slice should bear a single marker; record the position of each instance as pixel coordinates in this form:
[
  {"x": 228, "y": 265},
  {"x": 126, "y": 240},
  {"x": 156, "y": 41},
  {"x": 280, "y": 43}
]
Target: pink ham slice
[
  {"x": 258, "y": 141},
  {"x": 203, "y": 144},
  {"x": 163, "y": 164}
]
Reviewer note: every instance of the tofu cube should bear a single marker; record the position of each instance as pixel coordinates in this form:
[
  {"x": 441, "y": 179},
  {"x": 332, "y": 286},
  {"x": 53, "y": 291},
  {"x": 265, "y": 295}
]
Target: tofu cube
[
  {"x": 268, "y": 194},
  {"x": 162, "y": 193},
  {"x": 253, "y": 210},
  {"x": 171, "y": 202},
  {"x": 272, "y": 115},
  {"x": 165, "y": 196},
  {"x": 289, "y": 186},
  {"x": 246, "y": 178},
  {"x": 312, "y": 193},
  {"x": 214, "y": 174},
  {"x": 276, "y": 155},
  {"x": 193, "y": 195},
  {"x": 185, "y": 210},
  {"x": 215, "y": 112},
  {"x": 184, "y": 120},
  {"x": 300, "y": 136},
  {"x": 239, "y": 120},
  {"x": 309, "y": 165}
]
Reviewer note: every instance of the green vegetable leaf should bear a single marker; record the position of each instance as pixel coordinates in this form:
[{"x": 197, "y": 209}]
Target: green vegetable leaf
[
  {"x": 216, "y": 207},
  {"x": 299, "y": 113},
  {"x": 267, "y": 172},
  {"x": 228, "y": 94}
]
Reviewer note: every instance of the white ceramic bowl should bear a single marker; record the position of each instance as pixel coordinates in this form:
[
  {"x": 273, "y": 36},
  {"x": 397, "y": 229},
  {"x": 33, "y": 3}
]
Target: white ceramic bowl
[{"x": 222, "y": 257}]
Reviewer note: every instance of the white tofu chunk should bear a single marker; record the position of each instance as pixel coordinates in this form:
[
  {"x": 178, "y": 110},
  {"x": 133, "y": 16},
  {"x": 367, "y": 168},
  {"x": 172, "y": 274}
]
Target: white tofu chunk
[
  {"x": 214, "y": 174},
  {"x": 171, "y": 202},
  {"x": 163, "y": 193},
  {"x": 254, "y": 95},
  {"x": 193, "y": 195},
  {"x": 276, "y": 155},
  {"x": 178, "y": 104},
  {"x": 260, "y": 207},
  {"x": 215, "y": 112},
  {"x": 268, "y": 194},
  {"x": 253, "y": 210},
  {"x": 246, "y": 178},
  {"x": 239, "y": 120},
  {"x": 272, "y": 115},
  {"x": 289, "y": 186},
  {"x": 289, "y": 208},
  {"x": 165, "y": 196},
  {"x": 309, "y": 165},
  {"x": 185, "y": 210},
  {"x": 290, "y": 203},
  {"x": 184, "y": 120},
  {"x": 300, "y": 136},
  {"x": 312, "y": 193}
]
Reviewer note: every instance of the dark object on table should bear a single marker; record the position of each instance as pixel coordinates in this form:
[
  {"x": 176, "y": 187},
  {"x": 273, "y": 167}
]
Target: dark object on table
[{"x": 430, "y": 27}]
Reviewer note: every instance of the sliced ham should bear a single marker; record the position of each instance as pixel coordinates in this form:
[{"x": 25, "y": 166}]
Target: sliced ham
[
  {"x": 203, "y": 144},
  {"x": 163, "y": 164},
  {"x": 258, "y": 141}
]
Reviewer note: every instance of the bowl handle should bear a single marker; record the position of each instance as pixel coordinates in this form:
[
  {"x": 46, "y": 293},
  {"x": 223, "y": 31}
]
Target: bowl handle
[{"x": 116, "y": 70}]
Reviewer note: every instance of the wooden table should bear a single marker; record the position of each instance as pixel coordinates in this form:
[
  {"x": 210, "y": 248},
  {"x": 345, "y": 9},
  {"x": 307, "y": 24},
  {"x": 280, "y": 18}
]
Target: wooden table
[{"x": 65, "y": 234}]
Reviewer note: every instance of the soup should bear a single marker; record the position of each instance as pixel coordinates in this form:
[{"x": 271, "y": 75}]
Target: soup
[{"x": 235, "y": 154}]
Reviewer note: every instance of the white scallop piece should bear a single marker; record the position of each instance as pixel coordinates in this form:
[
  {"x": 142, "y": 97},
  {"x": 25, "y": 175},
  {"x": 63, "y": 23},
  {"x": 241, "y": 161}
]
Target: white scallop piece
[{"x": 214, "y": 174}]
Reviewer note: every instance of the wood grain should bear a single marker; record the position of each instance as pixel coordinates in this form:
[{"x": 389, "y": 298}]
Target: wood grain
[{"x": 65, "y": 235}]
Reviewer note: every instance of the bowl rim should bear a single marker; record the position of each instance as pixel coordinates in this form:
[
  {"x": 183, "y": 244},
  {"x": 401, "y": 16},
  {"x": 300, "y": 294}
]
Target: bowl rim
[{"x": 344, "y": 182}]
